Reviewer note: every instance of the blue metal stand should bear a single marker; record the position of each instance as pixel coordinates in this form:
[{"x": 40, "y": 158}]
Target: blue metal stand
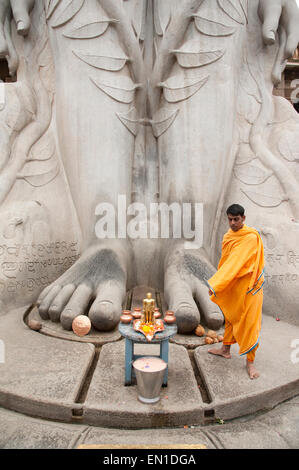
[{"x": 132, "y": 337}]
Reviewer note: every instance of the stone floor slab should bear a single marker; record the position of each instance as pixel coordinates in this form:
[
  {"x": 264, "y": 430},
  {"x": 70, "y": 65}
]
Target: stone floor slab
[
  {"x": 41, "y": 376},
  {"x": 156, "y": 437},
  {"x": 232, "y": 393},
  {"x": 22, "y": 432},
  {"x": 275, "y": 429},
  {"x": 285, "y": 421},
  {"x": 110, "y": 403},
  {"x": 249, "y": 436}
]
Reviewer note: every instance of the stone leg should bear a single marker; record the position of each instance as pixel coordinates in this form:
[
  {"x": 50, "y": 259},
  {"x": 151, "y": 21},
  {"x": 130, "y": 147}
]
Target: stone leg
[
  {"x": 196, "y": 159},
  {"x": 96, "y": 149}
]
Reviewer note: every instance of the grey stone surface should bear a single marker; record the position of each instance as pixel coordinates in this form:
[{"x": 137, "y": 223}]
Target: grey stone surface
[
  {"x": 144, "y": 437},
  {"x": 233, "y": 394},
  {"x": 111, "y": 403},
  {"x": 22, "y": 432},
  {"x": 285, "y": 421},
  {"x": 191, "y": 341},
  {"x": 247, "y": 436},
  {"x": 41, "y": 376},
  {"x": 276, "y": 429},
  {"x": 218, "y": 147}
]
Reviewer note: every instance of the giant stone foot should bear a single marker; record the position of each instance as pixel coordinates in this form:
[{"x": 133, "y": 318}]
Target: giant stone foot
[
  {"x": 186, "y": 291},
  {"x": 94, "y": 285}
]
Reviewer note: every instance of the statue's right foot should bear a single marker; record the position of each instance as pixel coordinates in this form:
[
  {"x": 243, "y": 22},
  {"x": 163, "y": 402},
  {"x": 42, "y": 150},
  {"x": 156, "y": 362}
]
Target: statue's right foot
[
  {"x": 94, "y": 285},
  {"x": 185, "y": 290}
]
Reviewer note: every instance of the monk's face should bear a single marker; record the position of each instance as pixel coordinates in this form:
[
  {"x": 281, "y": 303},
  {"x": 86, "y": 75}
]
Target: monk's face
[{"x": 235, "y": 222}]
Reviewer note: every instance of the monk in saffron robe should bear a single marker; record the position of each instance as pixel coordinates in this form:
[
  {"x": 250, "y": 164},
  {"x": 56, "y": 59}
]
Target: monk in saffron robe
[{"x": 237, "y": 288}]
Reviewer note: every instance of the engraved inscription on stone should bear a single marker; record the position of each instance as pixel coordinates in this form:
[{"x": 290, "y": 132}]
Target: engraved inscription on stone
[{"x": 32, "y": 267}]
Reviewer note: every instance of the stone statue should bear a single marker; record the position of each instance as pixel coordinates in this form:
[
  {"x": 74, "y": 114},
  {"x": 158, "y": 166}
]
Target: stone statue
[{"x": 160, "y": 101}]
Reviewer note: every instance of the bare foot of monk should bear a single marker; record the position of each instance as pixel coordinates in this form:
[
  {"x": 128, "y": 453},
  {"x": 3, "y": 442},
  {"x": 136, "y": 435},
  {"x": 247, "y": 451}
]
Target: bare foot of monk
[
  {"x": 224, "y": 351},
  {"x": 252, "y": 372}
]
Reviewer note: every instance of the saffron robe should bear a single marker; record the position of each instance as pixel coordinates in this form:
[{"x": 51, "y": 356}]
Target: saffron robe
[{"x": 237, "y": 286}]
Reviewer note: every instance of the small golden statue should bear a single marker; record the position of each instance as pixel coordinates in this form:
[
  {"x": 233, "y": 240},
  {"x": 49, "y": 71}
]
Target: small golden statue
[
  {"x": 149, "y": 309},
  {"x": 148, "y": 324}
]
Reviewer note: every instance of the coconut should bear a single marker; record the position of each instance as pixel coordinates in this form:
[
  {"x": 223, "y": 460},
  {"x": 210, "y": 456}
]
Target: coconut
[{"x": 199, "y": 331}]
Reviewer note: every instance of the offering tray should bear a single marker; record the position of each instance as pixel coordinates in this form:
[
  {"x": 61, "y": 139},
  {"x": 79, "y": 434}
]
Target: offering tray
[{"x": 149, "y": 330}]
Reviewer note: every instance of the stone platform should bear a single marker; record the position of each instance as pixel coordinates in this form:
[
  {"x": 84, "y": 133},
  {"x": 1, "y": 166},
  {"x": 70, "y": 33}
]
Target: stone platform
[{"x": 83, "y": 382}]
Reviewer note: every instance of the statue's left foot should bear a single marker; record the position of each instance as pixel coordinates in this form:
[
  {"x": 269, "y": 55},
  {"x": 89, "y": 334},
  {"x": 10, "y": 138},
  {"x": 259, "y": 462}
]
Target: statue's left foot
[
  {"x": 186, "y": 293},
  {"x": 252, "y": 372}
]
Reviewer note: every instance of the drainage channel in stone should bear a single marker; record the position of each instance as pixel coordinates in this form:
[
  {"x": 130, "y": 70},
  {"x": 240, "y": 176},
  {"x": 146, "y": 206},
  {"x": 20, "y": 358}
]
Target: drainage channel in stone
[
  {"x": 78, "y": 411},
  {"x": 81, "y": 397},
  {"x": 27, "y": 313},
  {"x": 128, "y": 302},
  {"x": 159, "y": 301},
  {"x": 206, "y": 398}
]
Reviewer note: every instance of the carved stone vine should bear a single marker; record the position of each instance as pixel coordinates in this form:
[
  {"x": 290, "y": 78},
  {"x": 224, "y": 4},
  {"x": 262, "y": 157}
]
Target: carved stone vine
[{"x": 35, "y": 97}]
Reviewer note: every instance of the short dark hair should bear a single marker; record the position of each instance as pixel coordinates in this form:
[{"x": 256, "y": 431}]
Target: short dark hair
[{"x": 235, "y": 209}]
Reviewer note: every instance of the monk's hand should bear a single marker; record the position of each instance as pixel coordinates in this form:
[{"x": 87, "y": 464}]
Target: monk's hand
[
  {"x": 20, "y": 11},
  {"x": 285, "y": 13}
]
